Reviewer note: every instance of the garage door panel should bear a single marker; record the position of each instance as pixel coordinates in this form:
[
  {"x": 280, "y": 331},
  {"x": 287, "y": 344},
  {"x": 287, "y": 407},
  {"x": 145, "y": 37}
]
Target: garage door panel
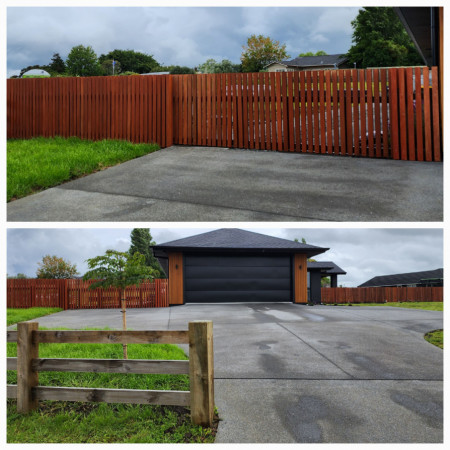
[
  {"x": 198, "y": 272},
  {"x": 238, "y": 261},
  {"x": 238, "y": 278},
  {"x": 238, "y": 284},
  {"x": 238, "y": 296}
]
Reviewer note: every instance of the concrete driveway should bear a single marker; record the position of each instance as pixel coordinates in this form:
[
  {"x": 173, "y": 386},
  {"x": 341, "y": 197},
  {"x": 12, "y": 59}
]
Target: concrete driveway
[
  {"x": 219, "y": 184},
  {"x": 292, "y": 373}
]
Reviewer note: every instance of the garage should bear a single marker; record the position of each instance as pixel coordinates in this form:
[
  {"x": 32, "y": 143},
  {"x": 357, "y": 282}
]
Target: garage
[
  {"x": 233, "y": 265},
  {"x": 237, "y": 278}
]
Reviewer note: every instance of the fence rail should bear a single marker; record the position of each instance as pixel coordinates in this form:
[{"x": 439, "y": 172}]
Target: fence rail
[
  {"x": 381, "y": 113},
  {"x": 75, "y": 294},
  {"x": 200, "y": 368},
  {"x": 382, "y": 294}
]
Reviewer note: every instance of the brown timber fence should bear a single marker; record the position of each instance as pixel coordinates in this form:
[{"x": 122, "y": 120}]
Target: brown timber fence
[
  {"x": 75, "y": 294},
  {"x": 382, "y": 294},
  {"x": 200, "y": 368},
  {"x": 381, "y": 113}
]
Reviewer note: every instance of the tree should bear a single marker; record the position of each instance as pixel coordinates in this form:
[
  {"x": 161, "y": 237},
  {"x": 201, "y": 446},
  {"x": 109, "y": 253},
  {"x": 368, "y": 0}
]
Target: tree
[
  {"x": 131, "y": 61},
  {"x": 120, "y": 270},
  {"x": 318, "y": 53},
  {"x": 142, "y": 242},
  {"x": 57, "y": 64},
  {"x": 380, "y": 40},
  {"x": 19, "y": 276},
  {"x": 261, "y": 51},
  {"x": 225, "y": 66},
  {"x": 82, "y": 62},
  {"x": 53, "y": 267},
  {"x": 107, "y": 67},
  {"x": 180, "y": 70}
]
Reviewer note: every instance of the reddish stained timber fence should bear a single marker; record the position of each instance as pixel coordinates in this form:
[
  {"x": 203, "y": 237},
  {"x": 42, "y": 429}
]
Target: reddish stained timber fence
[
  {"x": 384, "y": 113},
  {"x": 74, "y": 294},
  {"x": 382, "y": 294}
]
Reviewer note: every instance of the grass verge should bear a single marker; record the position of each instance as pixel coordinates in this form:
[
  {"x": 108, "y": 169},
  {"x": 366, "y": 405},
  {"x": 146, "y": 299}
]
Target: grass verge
[
  {"x": 431, "y": 306},
  {"x": 76, "y": 422},
  {"x": 15, "y": 315},
  {"x": 436, "y": 338},
  {"x": 40, "y": 163}
]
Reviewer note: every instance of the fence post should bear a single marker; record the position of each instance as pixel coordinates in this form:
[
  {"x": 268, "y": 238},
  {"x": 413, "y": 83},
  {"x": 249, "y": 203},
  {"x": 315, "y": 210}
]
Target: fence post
[
  {"x": 201, "y": 372},
  {"x": 27, "y": 378}
]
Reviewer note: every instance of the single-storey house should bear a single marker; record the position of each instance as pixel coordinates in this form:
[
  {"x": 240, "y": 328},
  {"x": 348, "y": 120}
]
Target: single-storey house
[
  {"x": 324, "y": 62},
  {"x": 233, "y": 265},
  {"x": 427, "y": 278}
]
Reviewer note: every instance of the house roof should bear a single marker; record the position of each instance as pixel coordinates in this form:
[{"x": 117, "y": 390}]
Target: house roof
[
  {"x": 403, "y": 278},
  {"x": 314, "y": 61},
  {"x": 328, "y": 267},
  {"x": 230, "y": 239}
]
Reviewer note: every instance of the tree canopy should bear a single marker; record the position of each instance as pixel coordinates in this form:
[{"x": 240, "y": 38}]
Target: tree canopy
[
  {"x": 261, "y": 51},
  {"x": 318, "y": 53},
  {"x": 82, "y": 62},
  {"x": 54, "y": 267},
  {"x": 213, "y": 66},
  {"x": 131, "y": 61},
  {"x": 57, "y": 64},
  {"x": 380, "y": 40},
  {"x": 142, "y": 242}
]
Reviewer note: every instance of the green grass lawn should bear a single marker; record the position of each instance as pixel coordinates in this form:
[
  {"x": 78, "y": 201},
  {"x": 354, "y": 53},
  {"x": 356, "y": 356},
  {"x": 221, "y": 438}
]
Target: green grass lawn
[
  {"x": 432, "y": 306},
  {"x": 76, "y": 422},
  {"x": 40, "y": 163},
  {"x": 15, "y": 315},
  {"x": 436, "y": 338}
]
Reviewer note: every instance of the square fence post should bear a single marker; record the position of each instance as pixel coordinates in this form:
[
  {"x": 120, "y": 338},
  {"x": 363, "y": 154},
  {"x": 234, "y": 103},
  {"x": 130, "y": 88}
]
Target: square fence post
[
  {"x": 201, "y": 372},
  {"x": 27, "y": 378}
]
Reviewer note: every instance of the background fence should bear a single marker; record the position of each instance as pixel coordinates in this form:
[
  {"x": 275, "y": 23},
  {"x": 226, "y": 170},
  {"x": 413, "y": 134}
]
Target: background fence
[
  {"x": 75, "y": 294},
  {"x": 383, "y": 113},
  {"x": 382, "y": 294}
]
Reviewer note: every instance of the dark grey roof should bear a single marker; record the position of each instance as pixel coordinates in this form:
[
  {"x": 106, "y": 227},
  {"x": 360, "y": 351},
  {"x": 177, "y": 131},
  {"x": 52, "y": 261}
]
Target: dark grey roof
[
  {"x": 308, "y": 61},
  {"x": 399, "y": 279},
  {"x": 236, "y": 239},
  {"x": 328, "y": 267}
]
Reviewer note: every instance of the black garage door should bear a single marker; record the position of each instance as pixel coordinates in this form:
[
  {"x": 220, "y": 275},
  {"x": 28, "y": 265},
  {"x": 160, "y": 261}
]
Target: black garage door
[{"x": 237, "y": 278}]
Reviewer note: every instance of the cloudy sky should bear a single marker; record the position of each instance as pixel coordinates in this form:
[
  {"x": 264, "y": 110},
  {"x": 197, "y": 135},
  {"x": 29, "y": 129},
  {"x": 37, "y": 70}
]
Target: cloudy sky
[
  {"x": 363, "y": 253},
  {"x": 185, "y": 36}
]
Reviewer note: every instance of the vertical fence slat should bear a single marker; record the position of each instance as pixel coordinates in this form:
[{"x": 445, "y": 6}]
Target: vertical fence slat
[
  {"x": 410, "y": 114},
  {"x": 394, "y": 120},
  {"x": 436, "y": 119},
  {"x": 402, "y": 114}
]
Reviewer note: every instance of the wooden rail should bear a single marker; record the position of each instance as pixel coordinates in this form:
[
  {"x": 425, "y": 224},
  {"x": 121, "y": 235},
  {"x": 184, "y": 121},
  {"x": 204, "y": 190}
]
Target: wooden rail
[
  {"x": 382, "y": 294},
  {"x": 200, "y": 368},
  {"x": 378, "y": 113}
]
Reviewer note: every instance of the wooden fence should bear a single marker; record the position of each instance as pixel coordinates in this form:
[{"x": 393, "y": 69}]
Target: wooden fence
[
  {"x": 75, "y": 294},
  {"x": 200, "y": 368},
  {"x": 381, "y": 113},
  {"x": 382, "y": 294},
  {"x": 137, "y": 109}
]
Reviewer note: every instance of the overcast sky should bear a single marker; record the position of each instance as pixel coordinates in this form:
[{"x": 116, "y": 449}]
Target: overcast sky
[
  {"x": 176, "y": 35},
  {"x": 362, "y": 253}
]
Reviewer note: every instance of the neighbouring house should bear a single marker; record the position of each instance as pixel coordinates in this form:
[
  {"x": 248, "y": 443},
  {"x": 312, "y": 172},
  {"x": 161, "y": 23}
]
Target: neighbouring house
[
  {"x": 35, "y": 73},
  {"x": 316, "y": 271},
  {"x": 325, "y": 62},
  {"x": 428, "y": 278},
  {"x": 233, "y": 265}
]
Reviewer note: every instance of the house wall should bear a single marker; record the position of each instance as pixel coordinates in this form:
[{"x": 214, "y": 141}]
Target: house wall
[
  {"x": 175, "y": 278},
  {"x": 277, "y": 68},
  {"x": 300, "y": 278}
]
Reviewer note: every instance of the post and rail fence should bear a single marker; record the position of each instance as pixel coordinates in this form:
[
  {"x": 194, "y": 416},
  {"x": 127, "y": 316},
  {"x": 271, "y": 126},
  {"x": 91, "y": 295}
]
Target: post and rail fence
[
  {"x": 199, "y": 367},
  {"x": 382, "y": 294},
  {"x": 380, "y": 113},
  {"x": 75, "y": 294}
]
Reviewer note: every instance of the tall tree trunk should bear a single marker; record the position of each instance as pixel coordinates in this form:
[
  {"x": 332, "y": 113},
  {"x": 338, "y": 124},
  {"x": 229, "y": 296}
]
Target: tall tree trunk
[{"x": 123, "y": 302}]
